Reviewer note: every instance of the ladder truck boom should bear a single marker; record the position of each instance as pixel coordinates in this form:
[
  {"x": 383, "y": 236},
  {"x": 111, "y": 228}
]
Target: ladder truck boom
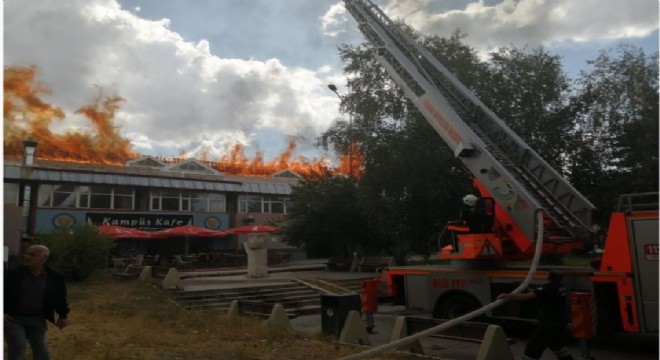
[{"x": 504, "y": 166}]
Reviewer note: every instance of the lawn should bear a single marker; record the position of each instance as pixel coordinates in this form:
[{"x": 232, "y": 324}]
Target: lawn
[{"x": 127, "y": 319}]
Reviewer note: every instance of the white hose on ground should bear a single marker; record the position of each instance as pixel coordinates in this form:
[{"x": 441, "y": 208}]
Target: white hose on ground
[{"x": 410, "y": 339}]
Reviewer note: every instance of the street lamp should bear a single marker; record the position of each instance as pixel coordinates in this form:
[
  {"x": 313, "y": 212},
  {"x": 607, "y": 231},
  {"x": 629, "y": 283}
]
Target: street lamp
[{"x": 333, "y": 88}]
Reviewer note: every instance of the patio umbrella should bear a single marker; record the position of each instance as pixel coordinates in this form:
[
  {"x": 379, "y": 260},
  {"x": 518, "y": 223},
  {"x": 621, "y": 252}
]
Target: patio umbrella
[
  {"x": 122, "y": 232},
  {"x": 188, "y": 231},
  {"x": 254, "y": 228}
]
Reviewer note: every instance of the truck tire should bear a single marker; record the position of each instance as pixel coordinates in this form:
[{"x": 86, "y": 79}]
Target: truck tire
[{"x": 454, "y": 306}]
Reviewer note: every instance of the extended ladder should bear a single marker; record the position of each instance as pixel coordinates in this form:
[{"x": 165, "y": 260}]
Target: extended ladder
[{"x": 519, "y": 180}]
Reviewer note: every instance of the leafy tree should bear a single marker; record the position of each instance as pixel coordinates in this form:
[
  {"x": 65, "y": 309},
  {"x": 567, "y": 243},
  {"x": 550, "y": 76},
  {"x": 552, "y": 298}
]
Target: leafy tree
[
  {"x": 600, "y": 136},
  {"x": 326, "y": 218},
  {"x": 411, "y": 183},
  {"x": 616, "y": 113},
  {"x": 78, "y": 252},
  {"x": 529, "y": 91}
]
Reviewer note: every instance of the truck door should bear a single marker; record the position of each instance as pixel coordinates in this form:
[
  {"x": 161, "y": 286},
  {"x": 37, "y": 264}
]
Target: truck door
[{"x": 644, "y": 242}]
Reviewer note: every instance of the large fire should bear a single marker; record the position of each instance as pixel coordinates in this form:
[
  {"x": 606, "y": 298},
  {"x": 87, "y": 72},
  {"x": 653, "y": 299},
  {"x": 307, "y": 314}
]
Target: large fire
[{"x": 28, "y": 116}]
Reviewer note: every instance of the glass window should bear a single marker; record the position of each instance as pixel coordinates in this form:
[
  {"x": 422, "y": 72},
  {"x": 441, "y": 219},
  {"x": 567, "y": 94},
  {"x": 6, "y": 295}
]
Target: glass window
[
  {"x": 208, "y": 202},
  {"x": 122, "y": 202},
  {"x": 64, "y": 196},
  {"x": 277, "y": 207},
  {"x": 217, "y": 203},
  {"x": 100, "y": 197},
  {"x": 171, "y": 204},
  {"x": 247, "y": 203},
  {"x": 200, "y": 204},
  {"x": 155, "y": 203},
  {"x": 100, "y": 201},
  {"x": 81, "y": 196},
  {"x": 45, "y": 195},
  {"x": 84, "y": 196}
]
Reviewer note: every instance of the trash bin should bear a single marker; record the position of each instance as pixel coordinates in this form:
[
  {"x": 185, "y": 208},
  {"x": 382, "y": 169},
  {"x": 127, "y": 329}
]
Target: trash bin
[{"x": 335, "y": 309}]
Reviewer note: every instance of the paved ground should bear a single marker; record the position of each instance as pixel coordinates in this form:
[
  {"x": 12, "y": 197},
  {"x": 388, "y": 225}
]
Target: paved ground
[{"x": 611, "y": 348}]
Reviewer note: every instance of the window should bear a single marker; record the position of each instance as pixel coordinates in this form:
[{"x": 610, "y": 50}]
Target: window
[
  {"x": 100, "y": 197},
  {"x": 165, "y": 200},
  {"x": 208, "y": 202},
  {"x": 261, "y": 204},
  {"x": 187, "y": 201},
  {"x": 248, "y": 203},
  {"x": 86, "y": 197},
  {"x": 123, "y": 199},
  {"x": 274, "y": 205}
]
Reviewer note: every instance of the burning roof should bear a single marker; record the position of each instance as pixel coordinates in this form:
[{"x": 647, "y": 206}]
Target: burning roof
[{"x": 28, "y": 116}]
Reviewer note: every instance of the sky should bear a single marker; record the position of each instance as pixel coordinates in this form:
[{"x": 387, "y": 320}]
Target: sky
[{"x": 198, "y": 76}]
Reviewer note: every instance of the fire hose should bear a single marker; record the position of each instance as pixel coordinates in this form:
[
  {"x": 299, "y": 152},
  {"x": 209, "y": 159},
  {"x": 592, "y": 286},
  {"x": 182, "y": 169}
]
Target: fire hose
[{"x": 412, "y": 338}]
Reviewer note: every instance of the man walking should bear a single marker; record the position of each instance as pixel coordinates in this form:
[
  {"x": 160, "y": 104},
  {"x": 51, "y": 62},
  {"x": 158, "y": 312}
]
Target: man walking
[
  {"x": 33, "y": 293},
  {"x": 553, "y": 322}
]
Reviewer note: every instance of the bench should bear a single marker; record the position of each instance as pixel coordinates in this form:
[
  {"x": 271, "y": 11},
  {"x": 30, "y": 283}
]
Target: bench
[{"x": 375, "y": 263}]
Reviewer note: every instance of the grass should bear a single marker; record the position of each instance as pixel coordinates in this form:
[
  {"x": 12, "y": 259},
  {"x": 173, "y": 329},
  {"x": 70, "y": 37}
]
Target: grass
[{"x": 126, "y": 319}]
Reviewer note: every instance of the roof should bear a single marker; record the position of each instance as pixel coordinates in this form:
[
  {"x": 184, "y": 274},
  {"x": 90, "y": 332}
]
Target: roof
[{"x": 147, "y": 176}]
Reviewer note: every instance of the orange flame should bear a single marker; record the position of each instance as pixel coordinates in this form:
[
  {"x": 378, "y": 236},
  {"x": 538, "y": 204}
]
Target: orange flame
[
  {"x": 27, "y": 116},
  {"x": 351, "y": 163}
]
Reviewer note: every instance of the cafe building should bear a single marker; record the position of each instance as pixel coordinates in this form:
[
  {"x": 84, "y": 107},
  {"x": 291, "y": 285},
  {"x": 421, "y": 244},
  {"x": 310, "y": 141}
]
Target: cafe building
[{"x": 146, "y": 193}]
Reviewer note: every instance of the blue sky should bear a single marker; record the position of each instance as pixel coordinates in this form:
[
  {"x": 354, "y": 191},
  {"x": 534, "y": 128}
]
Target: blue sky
[{"x": 199, "y": 76}]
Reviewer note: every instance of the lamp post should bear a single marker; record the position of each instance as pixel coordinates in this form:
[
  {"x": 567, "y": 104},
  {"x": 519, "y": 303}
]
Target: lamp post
[{"x": 333, "y": 88}]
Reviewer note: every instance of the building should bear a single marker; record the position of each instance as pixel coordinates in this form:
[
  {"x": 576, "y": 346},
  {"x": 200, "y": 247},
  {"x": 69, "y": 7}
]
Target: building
[{"x": 145, "y": 193}]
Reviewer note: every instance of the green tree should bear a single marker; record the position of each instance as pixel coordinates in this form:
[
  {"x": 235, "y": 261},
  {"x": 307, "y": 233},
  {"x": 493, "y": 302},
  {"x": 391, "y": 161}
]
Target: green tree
[
  {"x": 615, "y": 108},
  {"x": 326, "y": 218},
  {"x": 411, "y": 183},
  {"x": 77, "y": 252},
  {"x": 529, "y": 91}
]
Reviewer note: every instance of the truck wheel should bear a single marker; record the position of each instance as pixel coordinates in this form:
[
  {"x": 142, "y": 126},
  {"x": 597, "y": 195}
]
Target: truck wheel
[{"x": 455, "y": 306}]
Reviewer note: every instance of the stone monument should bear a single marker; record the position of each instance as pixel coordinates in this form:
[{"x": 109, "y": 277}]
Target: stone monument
[{"x": 257, "y": 254}]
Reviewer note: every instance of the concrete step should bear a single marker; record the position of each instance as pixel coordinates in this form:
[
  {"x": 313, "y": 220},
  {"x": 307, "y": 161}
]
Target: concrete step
[
  {"x": 227, "y": 294},
  {"x": 235, "y": 290},
  {"x": 269, "y": 299}
]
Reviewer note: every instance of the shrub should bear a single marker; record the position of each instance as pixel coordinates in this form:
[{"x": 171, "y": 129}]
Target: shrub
[{"x": 78, "y": 252}]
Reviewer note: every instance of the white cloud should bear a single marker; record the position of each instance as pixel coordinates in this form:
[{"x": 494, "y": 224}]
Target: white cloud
[
  {"x": 522, "y": 22},
  {"x": 533, "y": 22},
  {"x": 332, "y": 22},
  {"x": 178, "y": 94}
]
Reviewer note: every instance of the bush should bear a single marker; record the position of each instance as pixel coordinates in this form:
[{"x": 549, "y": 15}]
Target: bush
[{"x": 78, "y": 252}]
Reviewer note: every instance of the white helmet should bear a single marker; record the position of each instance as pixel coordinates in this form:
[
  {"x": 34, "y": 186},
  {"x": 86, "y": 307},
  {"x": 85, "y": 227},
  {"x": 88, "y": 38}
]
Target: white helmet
[{"x": 470, "y": 200}]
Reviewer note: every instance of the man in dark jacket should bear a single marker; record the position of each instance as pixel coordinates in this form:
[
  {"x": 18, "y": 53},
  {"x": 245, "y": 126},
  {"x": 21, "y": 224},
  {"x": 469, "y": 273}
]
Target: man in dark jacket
[
  {"x": 33, "y": 293},
  {"x": 553, "y": 322}
]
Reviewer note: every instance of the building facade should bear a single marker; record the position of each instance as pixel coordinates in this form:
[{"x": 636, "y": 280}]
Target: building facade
[{"x": 145, "y": 193}]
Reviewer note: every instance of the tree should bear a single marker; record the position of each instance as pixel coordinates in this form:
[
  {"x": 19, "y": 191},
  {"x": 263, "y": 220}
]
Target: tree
[
  {"x": 77, "y": 252},
  {"x": 326, "y": 218},
  {"x": 529, "y": 91},
  {"x": 411, "y": 183},
  {"x": 615, "y": 108}
]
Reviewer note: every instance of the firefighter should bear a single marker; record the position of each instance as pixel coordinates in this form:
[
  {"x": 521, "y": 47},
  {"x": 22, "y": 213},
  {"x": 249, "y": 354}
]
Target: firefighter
[
  {"x": 473, "y": 215},
  {"x": 551, "y": 330}
]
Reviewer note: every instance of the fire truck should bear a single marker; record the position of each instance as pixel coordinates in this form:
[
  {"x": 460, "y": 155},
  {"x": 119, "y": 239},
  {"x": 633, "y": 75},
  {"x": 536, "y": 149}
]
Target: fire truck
[{"x": 516, "y": 184}]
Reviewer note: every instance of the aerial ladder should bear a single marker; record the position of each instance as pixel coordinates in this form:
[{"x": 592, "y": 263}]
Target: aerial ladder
[{"x": 505, "y": 169}]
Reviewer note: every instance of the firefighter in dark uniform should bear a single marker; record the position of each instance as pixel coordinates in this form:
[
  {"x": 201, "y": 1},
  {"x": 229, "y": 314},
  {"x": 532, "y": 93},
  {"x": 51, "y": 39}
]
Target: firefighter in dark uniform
[{"x": 551, "y": 330}]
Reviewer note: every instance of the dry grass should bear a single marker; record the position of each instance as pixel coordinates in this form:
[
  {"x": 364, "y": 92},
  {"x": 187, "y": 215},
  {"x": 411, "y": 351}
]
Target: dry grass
[{"x": 119, "y": 319}]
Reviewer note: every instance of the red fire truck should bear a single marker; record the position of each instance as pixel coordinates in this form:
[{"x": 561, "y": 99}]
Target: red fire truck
[{"x": 515, "y": 184}]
